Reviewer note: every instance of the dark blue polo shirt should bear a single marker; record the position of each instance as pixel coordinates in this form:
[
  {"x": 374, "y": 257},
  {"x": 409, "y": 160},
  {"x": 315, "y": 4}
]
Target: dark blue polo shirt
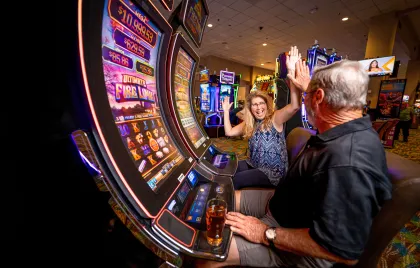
[{"x": 335, "y": 187}]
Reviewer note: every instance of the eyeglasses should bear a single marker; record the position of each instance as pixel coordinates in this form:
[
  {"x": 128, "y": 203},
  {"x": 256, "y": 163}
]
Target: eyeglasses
[{"x": 255, "y": 105}]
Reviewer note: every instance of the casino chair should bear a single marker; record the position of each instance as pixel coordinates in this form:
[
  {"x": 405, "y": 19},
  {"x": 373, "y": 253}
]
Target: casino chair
[{"x": 395, "y": 213}]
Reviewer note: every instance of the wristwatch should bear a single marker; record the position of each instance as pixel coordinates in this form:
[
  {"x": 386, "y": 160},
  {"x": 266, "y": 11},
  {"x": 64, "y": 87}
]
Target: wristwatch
[{"x": 270, "y": 235}]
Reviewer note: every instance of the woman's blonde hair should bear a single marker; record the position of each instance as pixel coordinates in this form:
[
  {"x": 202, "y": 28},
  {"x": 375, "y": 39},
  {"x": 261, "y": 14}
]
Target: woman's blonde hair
[{"x": 249, "y": 118}]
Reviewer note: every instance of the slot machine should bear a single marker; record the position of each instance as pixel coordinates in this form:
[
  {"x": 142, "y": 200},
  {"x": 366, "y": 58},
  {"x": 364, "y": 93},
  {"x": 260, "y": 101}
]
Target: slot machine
[
  {"x": 182, "y": 63},
  {"x": 130, "y": 144}
]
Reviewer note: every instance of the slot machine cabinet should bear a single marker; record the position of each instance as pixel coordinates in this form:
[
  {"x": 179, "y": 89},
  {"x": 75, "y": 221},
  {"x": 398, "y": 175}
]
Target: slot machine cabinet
[{"x": 128, "y": 142}]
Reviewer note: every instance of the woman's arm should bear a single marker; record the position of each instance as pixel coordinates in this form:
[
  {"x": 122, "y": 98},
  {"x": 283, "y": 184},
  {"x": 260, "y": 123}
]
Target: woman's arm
[
  {"x": 299, "y": 83},
  {"x": 229, "y": 130},
  {"x": 283, "y": 115}
]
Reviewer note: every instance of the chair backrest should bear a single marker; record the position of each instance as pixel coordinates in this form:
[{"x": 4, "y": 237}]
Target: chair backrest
[
  {"x": 405, "y": 202},
  {"x": 296, "y": 140}
]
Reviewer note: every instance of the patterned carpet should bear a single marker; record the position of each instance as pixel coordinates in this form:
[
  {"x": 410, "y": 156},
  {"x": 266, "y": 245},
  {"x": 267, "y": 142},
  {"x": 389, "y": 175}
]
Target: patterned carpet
[
  {"x": 404, "y": 250},
  {"x": 410, "y": 149}
]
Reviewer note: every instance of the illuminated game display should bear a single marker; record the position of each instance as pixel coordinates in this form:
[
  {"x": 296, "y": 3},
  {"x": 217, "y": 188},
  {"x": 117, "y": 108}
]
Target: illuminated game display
[
  {"x": 129, "y": 42},
  {"x": 321, "y": 60},
  {"x": 225, "y": 91},
  {"x": 183, "y": 70},
  {"x": 205, "y": 97},
  {"x": 391, "y": 94},
  {"x": 194, "y": 15}
]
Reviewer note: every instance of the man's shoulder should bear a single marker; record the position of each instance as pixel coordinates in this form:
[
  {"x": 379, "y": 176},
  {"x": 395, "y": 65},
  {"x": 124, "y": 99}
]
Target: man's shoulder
[{"x": 361, "y": 149}]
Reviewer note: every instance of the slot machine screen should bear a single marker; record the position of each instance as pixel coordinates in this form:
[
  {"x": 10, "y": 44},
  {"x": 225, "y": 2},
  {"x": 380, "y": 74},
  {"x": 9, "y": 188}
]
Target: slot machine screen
[
  {"x": 182, "y": 82},
  {"x": 205, "y": 97},
  {"x": 321, "y": 60},
  {"x": 194, "y": 15},
  {"x": 130, "y": 51},
  {"x": 224, "y": 91}
]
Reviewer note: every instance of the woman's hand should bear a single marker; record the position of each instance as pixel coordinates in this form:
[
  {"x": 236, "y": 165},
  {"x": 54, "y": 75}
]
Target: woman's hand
[
  {"x": 226, "y": 105},
  {"x": 302, "y": 77},
  {"x": 291, "y": 59}
]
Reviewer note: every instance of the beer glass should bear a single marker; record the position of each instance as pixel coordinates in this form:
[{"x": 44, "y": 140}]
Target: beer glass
[{"x": 215, "y": 220}]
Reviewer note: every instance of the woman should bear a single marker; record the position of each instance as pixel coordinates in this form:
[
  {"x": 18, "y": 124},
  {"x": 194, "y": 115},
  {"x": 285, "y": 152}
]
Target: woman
[
  {"x": 263, "y": 127},
  {"x": 373, "y": 67}
]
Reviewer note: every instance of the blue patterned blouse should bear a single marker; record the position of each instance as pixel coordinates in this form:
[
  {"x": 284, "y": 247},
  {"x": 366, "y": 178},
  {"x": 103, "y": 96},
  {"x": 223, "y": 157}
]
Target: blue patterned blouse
[{"x": 267, "y": 152}]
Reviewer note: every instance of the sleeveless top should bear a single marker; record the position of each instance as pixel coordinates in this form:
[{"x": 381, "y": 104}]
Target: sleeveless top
[{"x": 267, "y": 152}]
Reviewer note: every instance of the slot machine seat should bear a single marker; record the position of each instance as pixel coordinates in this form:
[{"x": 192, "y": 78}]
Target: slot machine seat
[{"x": 395, "y": 213}]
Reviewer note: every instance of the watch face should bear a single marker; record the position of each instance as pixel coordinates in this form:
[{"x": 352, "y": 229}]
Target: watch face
[{"x": 270, "y": 233}]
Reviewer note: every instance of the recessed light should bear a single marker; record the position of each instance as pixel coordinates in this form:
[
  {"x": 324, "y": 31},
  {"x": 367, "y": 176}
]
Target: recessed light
[
  {"x": 264, "y": 44},
  {"x": 210, "y": 25},
  {"x": 345, "y": 18},
  {"x": 262, "y": 63}
]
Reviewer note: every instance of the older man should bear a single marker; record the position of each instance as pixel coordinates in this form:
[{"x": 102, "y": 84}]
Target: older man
[{"x": 322, "y": 213}]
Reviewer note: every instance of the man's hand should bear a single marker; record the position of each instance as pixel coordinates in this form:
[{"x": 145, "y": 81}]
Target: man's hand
[
  {"x": 251, "y": 228},
  {"x": 302, "y": 78},
  {"x": 291, "y": 59},
  {"x": 226, "y": 105}
]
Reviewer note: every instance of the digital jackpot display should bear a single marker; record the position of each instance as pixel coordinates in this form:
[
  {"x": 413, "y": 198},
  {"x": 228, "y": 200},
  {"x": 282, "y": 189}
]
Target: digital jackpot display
[
  {"x": 130, "y": 51},
  {"x": 183, "y": 71},
  {"x": 195, "y": 17}
]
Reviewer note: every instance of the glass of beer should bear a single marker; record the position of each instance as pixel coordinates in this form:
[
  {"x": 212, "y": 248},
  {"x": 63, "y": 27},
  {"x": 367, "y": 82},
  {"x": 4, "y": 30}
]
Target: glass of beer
[{"x": 215, "y": 220}]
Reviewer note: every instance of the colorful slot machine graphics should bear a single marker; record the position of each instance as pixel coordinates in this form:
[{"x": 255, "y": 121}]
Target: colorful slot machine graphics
[
  {"x": 130, "y": 51},
  {"x": 390, "y": 97},
  {"x": 183, "y": 70}
]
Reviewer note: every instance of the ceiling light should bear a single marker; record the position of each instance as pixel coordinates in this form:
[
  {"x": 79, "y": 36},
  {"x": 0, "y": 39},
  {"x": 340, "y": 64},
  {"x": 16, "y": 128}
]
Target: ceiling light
[
  {"x": 264, "y": 44},
  {"x": 210, "y": 25},
  {"x": 345, "y": 18},
  {"x": 262, "y": 63}
]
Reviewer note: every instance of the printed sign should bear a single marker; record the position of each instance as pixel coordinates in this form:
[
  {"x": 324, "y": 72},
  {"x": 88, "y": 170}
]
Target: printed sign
[{"x": 227, "y": 77}]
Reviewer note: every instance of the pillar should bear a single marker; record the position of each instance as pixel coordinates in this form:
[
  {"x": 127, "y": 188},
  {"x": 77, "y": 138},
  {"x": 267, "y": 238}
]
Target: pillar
[
  {"x": 381, "y": 38},
  {"x": 413, "y": 77}
]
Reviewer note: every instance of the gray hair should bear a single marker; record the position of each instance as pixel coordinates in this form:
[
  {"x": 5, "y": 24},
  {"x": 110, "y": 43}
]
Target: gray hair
[{"x": 345, "y": 84}]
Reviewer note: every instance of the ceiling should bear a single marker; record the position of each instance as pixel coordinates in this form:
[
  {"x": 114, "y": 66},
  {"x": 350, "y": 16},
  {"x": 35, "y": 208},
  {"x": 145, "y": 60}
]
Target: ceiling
[{"x": 240, "y": 27}]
